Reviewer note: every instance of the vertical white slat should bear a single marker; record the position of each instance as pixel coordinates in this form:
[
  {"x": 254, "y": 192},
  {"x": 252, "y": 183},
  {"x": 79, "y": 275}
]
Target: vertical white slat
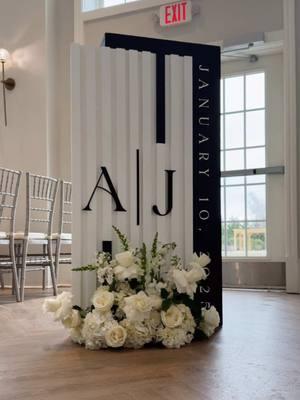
[
  {"x": 188, "y": 157},
  {"x": 177, "y": 146},
  {"x": 76, "y": 170},
  {"x": 121, "y": 133},
  {"x": 148, "y": 146},
  {"x": 135, "y": 108},
  {"x": 90, "y": 177},
  {"x": 163, "y": 163},
  {"x": 105, "y": 202}
]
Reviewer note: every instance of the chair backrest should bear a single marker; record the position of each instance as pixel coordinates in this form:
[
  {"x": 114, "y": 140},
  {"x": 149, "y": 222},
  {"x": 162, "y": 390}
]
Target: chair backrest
[
  {"x": 9, "y": 193},
  {"x": 41, "y": 193},
  {"x": 65, "y": 216}
]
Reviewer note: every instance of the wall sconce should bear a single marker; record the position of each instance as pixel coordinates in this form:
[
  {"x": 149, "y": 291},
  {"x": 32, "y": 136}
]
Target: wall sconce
[{"x": 8, "y": 83}]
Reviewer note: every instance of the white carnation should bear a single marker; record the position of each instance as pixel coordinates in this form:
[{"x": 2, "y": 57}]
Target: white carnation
[{"x": 210, "y": 322}]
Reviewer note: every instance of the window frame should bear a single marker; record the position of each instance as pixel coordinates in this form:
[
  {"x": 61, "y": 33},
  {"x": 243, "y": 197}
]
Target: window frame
[{"x": 133, "y": 6}]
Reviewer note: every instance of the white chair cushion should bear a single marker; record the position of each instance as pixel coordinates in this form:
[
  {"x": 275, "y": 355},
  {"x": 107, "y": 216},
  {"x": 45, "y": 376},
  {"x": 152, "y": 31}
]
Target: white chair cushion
[
  {"x": 31, "y": 235},
  {"x": 63, "y": 236},
  {"x": 3, "y": 235}
]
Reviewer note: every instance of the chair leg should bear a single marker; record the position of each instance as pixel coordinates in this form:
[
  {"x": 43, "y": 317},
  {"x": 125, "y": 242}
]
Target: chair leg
[
  {"x": 52, "y": 269},
  {"x": 44, "y": 270},
  {"x": 23, "y": 269},
  {"x": 57, "y": 256},
  {"x": 15, "y": 285},
  {"x": 2, "y": 281}
]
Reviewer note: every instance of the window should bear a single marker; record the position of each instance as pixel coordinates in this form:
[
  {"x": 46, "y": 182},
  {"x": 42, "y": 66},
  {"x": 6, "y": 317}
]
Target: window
[
  {"x": 90, "y": 5},
  {"x": 243, "y": 146}
]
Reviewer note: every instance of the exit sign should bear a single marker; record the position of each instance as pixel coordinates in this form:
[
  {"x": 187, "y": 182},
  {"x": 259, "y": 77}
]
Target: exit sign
[{"x": 176, "y": 13}]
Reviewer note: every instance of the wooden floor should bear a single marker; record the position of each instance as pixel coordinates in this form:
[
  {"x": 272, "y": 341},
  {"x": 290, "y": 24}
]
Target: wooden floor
[{"x": 255, "y": 356}]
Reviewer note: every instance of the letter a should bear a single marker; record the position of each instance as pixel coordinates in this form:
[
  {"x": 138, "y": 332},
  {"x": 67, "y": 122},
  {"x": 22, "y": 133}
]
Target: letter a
[{"x": 112, "y": 191}]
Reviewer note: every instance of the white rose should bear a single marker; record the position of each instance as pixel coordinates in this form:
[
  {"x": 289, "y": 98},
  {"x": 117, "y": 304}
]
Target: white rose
[
  {"x": 137, "y": 307},
  {"x": 122, "y": 273},
  {"x": 76, "y": 335},
  {"x": 211, "y": 320},
  {"x": 125, "y": 259},
  {"x": 73, "y": 320},
  {"x": 61, "y": 306},
  {"x": 103, "y": 300},
  {"x": 182, "y": 283},
  {"x": 115, "y": 336},
  {"x": 172, "y": 318}
]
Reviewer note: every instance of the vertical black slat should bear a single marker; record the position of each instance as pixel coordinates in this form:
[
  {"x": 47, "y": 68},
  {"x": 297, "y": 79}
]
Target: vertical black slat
[
  {"x": 107, "y": 246},
  {"x": 138, "y": 187},
  {"x": 160, "y": 99}
]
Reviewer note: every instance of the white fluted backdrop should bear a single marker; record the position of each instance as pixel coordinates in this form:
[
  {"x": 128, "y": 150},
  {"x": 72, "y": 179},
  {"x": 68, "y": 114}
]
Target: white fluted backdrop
[{"x": 113, "y": 115}]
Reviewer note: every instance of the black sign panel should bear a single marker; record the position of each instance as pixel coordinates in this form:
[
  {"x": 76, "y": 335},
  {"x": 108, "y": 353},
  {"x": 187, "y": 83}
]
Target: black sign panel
[{"x": 206, "y": 143}]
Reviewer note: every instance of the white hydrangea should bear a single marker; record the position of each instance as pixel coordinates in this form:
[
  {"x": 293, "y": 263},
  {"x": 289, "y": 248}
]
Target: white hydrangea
[
  {"x": 138, "y": 334},
  {"x": 93, "y": 331},
  {"x": 174, "y": 338}
]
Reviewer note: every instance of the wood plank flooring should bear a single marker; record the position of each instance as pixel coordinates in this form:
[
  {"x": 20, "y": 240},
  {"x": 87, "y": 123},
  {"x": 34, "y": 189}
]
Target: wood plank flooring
[{"x": 255, "y": 356}]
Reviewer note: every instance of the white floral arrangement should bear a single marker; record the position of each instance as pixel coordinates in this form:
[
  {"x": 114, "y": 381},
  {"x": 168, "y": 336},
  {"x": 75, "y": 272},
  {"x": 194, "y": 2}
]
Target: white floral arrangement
[{"x": 143, "y": 297}]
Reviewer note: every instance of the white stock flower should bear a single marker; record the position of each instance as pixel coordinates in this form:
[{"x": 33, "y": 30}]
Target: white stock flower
[
  {"x": 73, "y": 320},
  {"x": 137, "y": 307},
  {"x": 61, "y": 306},
  {"x": 173, "y": 317},
  {"x": 103, "y": 299},
  {"x": 115, "y": 335},
  {"x": 210, "y": 322}
]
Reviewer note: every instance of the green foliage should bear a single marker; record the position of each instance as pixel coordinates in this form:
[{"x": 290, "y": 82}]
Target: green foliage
[
  {"x": 154, "y": 246},
  {"x": 90, "y": 267},
  {"x": 164, "y": 293},
  {"x": 123, "y": 238},
  {"x": 166, "y": 304}
]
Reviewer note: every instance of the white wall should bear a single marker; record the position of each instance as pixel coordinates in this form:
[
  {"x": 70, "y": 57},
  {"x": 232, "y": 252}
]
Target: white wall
[
  {"x": 218, "y": 20},
  {"x": 38, "y": 34}
]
